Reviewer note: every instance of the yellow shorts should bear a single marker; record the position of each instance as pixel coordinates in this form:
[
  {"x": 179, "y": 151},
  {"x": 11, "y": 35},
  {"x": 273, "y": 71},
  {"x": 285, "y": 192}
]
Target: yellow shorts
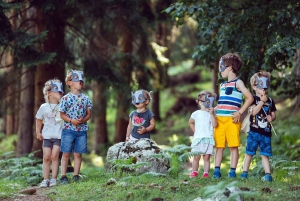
[{"x": 227, "y": 132}]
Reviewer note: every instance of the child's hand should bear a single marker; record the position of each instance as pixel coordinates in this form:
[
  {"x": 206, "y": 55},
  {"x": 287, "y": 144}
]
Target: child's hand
[
  {"x": 211, "y": 110},
  {"x": 142, "y": 130},
  {"x": 39, "y": 136},
  {"x": 80, "y": 120},
  {"x": 264, "y": 97},
  {"x": 269, "y": 118},
  {"x": 236, "y": 117},
  {"x": 76, "y": 122}
]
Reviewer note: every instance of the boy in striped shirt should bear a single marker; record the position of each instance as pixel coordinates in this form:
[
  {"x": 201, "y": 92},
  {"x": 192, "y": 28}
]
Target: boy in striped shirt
[{"x": 229, "y": 111}]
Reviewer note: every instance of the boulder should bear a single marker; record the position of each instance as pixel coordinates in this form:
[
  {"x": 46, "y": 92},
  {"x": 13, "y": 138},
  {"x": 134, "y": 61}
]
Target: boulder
[{"x": 142, "y": 151}]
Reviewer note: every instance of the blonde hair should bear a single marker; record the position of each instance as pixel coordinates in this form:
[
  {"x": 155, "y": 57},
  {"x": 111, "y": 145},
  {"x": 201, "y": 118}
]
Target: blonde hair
[
  {"x": 47, "y": 88},
  {"x": 68, "y": 77},
  {"x": 204, "y": 93},
  {"x": 259, "y": 74},
  {"x": 234, "y": 60}
]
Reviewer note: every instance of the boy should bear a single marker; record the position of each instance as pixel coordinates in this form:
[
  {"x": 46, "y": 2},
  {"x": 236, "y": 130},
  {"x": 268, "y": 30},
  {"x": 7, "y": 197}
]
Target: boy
[
  {"x": 260, "y": 128},
  {"x": 229, "y": 111},
  {"x": 75, "y": 110}
]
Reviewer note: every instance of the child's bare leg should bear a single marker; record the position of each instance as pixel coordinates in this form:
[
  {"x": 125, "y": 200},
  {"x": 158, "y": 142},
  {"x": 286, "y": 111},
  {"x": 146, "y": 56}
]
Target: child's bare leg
[
  {"x": 77, "y": 163},
  {"x": 64, "y": 163},
  {"x": 234, "y": 157},
  {"x": 206, "y": 159},
  {"x": 195, "y": 164},
  {"x": 46, "y": 162},
  {"x": 218, "y": 156},
  {"x": 247, "y": 162},
  {"x": 266, "y": 164},
  {"x": 55, "y": 161}
]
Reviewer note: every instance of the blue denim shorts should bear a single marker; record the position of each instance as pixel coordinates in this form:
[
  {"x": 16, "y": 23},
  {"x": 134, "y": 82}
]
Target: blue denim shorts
[
  {"x": 255, "y": 140},
  {"x": 73, "y": 141}
]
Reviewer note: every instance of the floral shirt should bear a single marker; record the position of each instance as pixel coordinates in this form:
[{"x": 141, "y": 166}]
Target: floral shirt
[{"x": 75, "y": 106}]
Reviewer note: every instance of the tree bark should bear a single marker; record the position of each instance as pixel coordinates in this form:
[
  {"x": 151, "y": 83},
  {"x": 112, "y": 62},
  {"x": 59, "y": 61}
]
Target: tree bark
[
  {"x": 99, "y": 116},
  {"x": 25, "y": 135},
  {"x": 123, "y": 101},
  {"x": 45, "y": 72}
]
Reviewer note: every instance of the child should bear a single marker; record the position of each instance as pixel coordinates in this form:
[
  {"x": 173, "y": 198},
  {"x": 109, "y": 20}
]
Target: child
[
  {"x": 141, "y": 120},
  {"x": 75, "y": 110},
  {"x": 229, "y": 111},
  {"x": 260, "y": 129},
  {"x": 202, "y": 122},
  {"x": 51, "y": 132}
]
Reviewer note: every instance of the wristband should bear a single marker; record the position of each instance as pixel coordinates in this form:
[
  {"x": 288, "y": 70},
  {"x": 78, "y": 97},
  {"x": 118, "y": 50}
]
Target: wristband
[
  {"x": 70, "y": 120},
  {"x": 239, "y": 112}
]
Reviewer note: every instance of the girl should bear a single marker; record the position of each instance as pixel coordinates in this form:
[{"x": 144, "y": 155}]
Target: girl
[
  {"x": 202, "y": 122},
  {"x": 141, "y": 120},
  {"x": 51, "y": 132}
]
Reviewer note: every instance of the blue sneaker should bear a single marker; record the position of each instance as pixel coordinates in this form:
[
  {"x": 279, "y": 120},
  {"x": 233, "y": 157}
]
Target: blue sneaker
[
  {"x": 232, "y": 174},
  {"x": 217, "y": 175},
  {"x": 244, "y": 175},
  {"x": 64, "y": 180},
  {"x": 267, "y": 178}
]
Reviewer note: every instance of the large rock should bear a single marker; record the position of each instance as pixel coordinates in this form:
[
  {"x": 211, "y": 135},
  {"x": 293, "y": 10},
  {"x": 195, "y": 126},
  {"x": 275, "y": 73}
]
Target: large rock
[{"x": 142, "y": 151}]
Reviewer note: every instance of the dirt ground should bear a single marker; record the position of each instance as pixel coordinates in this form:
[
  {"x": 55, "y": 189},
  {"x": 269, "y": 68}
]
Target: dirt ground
[{"x": 32, "y": 194}]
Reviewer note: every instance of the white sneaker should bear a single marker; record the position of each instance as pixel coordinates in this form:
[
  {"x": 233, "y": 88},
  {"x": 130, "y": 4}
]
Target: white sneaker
[
  {"x": 45, "y": 183},
  {"x": 53, "y": 182}
]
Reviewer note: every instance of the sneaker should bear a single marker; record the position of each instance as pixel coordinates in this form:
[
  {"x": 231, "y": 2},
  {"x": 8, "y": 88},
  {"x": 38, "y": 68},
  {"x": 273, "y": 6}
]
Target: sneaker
[
  {"x": 53, "y": 182},
  {"x": 205, "y": 175},
  {"x": 45, "y": 183},
  {"x": 76, "y": 178},
  {"x": 217, "y": 175},
  {"x": 232, "y": 174},
  {"x": 267, "y": 178},
  {"x": 244, "y": 175},
  {"x": 64, "y": 180},
  {"x": 193, "y": 174}
]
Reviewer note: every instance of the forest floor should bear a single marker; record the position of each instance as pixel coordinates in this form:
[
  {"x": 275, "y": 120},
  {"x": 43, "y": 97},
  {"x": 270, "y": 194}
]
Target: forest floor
[{"x": 31, "y": 194}]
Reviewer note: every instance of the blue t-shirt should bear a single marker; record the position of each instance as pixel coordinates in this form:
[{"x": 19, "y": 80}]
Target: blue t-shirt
[
  {"x": 75, "y": 106},
  {"x": 140, "y": 119}
]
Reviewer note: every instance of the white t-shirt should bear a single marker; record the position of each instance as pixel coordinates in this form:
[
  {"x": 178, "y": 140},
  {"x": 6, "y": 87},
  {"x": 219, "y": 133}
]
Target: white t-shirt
[
  {"x": 203, "y": 125},
  {"x": 51, "y": 129}
]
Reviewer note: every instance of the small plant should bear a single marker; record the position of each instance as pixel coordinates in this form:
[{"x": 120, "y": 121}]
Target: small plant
[
  {"x": 129, "y": 165},
  {"x": 177, "y": 155},
  {"x": 24, "y": 168}
]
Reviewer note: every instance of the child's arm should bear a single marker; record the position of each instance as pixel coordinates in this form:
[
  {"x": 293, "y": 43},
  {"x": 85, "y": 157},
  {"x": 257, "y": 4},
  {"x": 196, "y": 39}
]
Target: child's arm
[
  {"x": 192, "y": 124},
  {"x": 271, "y": 117},
  {"x": 257, "y": 108},
  {"x": 129, "y": 128},
  {"x": 249, "y": 99},
  {"x": 214, "y": 122},
  {"x": 38, "y": 128},
  {"x": 87, "y": 116},
  {"x": 143, "y": 130}
]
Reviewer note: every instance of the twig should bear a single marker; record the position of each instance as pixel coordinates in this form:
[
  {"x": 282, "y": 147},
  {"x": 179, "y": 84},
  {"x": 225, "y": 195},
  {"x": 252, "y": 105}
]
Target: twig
[{"x": 270, "y": 122}]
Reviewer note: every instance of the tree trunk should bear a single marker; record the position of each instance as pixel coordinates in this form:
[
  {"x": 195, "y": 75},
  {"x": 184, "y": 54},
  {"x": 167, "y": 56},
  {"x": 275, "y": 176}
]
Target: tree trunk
[
  {"x": 123, "y": 101},
  {"x": 25, "y": 135},
  {"x": 45, "y": 72},
  {"x": 99, "y": 116},
  {"x": 215, "y": 72},
  {"x": 9, "y": 61}
]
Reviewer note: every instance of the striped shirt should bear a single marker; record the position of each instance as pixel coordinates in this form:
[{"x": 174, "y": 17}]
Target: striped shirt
[{"x": 230, "y": 99}]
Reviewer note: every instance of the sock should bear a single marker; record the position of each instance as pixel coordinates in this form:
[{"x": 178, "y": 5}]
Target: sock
[
  {"x": 232, "y": 169},
  {"x": 268, "y": 173},
  {"x": 245, "y": 172},
  {"x": 63, "y": 175},
  {"x": 205, "y": 172},
  {"x": 217, "y": 168}
]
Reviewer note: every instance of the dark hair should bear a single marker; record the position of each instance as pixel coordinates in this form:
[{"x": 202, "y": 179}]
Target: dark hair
[{"x": 234, "y": 60}]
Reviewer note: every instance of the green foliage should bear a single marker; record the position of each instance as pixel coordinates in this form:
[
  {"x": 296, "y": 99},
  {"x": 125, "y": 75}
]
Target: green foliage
[
  {"x": 266, "y": 42},
  {"x": 126, "y": 165},
  {"x": 8, "y": 143},
  {"x": 26, "y": 168}
]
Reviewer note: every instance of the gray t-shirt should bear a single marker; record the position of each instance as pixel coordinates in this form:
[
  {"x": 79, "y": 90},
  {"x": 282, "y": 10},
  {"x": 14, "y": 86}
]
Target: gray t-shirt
[{"x": 140, "y": 119}]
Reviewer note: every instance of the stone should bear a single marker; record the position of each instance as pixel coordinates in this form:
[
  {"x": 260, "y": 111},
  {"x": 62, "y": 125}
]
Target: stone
[{"x": 142, "y": 151}]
